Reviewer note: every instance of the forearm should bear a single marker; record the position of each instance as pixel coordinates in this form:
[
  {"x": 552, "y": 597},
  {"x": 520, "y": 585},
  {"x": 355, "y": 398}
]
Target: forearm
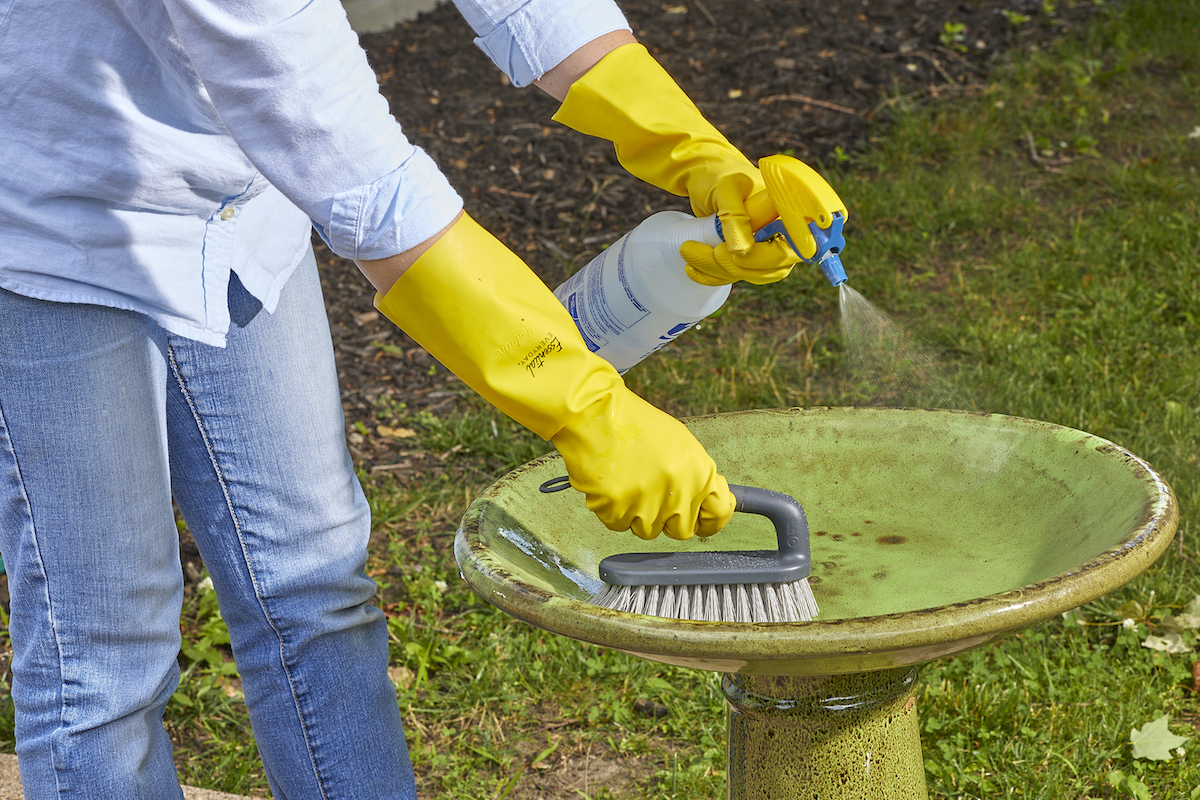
[
  {"x": 558, "y": 80},
  {"x": 384, "y": 272},
  {"x": 527, "y": 39}
]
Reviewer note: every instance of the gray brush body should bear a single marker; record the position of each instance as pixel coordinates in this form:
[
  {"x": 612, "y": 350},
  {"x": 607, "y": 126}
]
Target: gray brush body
[{"x": 737, "y": 586}]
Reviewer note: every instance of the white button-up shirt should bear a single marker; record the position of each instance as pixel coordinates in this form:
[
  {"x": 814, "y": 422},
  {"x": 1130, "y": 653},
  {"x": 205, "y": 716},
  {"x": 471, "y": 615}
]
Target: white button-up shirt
[{"x": 150, "y": 147}]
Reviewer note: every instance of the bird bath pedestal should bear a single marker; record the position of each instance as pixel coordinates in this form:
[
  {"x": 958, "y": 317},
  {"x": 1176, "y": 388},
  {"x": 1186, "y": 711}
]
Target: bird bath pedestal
[{"x": 932, "y": 532}]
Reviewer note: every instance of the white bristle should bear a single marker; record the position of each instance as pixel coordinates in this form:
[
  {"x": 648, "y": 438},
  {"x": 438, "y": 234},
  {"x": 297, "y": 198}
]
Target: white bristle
[
  {"x": 609, "y": 596},
  {"x": 761, "y": 602},
  {"x": 757, "y": 609},
  {"x": 712, "y": 602},
  {"x": 667, "y": 602},
  {"x": 628, "y": 596},
  {"x": 741, "y": 603},
  {"x": 641, "y": 599},
  {"x": 725, "y": 603},
  {"x": 787, "y": 603},
  {"x": 774, "y": 608},
  {"x": 650, "y": 605},
  {"x": 683, "y": 607}
]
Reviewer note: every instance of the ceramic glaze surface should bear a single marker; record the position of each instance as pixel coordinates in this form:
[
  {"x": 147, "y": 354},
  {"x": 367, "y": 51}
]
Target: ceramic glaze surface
[
  {"x": 844, "y": 736},
  {"x": 931, "y": 532}
]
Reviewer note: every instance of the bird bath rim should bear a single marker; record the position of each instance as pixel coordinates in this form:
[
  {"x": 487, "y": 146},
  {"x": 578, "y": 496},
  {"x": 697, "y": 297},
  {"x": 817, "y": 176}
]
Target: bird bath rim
[{"x": 824, "y": 646}]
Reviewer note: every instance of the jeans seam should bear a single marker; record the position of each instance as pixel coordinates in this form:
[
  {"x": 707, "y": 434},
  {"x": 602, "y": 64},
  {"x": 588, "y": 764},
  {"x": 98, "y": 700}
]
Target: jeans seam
[
  {"x": 55, "y": 760},
  {"x": 187, "y": 396}
]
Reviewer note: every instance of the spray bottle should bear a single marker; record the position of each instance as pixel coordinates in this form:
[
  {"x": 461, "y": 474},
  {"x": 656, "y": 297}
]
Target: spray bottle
[{"x": 636, "y": 297}]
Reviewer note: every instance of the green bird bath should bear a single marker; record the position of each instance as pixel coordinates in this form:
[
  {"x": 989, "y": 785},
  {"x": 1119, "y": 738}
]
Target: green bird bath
[{"x": 932, "y": 532}]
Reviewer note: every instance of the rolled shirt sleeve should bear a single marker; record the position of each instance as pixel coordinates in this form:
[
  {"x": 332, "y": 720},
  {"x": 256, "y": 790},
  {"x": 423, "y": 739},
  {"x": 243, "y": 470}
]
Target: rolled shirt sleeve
[
  {"x": 292, "y": 85},
  {"x": 169, "y": 143},
  {"x": 528, "y": 38}
]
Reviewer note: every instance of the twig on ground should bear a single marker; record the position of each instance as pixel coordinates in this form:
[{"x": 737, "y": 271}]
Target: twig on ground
[
  {"x": 707, "y": 14},
  {"x": 556, "y": 250},
  {"x": 937, "y": 65},
  {"x": 509, "y": 192},
  {"x": 555, "y": 725},
  {"x": 812, "y": 101},
  {"x": 406, "y": 464},
  {"x": 1048, "y": 164},
  {"x": 962, "y": 61}
]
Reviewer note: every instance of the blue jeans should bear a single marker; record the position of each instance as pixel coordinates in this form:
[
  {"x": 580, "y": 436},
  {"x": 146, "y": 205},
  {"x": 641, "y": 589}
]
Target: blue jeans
[{"x": 103, "y": 417}]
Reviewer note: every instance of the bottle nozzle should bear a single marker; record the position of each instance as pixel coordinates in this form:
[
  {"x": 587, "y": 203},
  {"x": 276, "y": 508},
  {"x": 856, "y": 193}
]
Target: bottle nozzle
[
  {"x": 829, "y": 243},
  {"x": 831, "y": 265}
]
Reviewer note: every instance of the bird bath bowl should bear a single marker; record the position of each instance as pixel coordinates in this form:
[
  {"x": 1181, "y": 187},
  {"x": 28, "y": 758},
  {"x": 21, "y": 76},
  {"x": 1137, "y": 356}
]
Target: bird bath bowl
[{"x": 932, "y": 532}]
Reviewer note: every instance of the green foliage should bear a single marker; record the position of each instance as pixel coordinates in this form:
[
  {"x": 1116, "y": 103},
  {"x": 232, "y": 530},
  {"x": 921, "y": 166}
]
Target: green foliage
[
  {"x": 478, "y": 434},
  {"x": 208, "y": 640},
  {"x": 8, "y": 739},
  {"x": 952, "y": 36},
  {"x": 1128, "y": 784},
  {"x": 419, "y": 643}
]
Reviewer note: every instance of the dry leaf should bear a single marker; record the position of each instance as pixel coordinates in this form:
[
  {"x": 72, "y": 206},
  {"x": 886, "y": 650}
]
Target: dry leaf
[
  {"x": 1171, "y": 643},
  {"x": 395, "y": 433}
]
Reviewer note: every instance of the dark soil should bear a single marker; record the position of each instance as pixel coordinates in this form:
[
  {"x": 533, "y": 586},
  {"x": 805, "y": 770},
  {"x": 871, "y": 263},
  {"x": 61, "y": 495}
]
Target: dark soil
[{"x": 773, "y": 75}]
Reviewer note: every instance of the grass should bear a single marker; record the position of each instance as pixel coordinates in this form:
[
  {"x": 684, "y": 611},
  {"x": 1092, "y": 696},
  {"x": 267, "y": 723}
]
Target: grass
[{"x": 1039, "y": 237}]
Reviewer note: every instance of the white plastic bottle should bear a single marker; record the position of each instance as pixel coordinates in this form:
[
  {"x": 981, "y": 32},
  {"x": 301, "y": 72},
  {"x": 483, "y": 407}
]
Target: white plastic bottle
[{"x": 636, "y": 297}]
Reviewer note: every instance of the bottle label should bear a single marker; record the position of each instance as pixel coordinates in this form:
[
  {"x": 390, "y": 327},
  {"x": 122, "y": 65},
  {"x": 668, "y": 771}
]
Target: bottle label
[
  {"x": 629, "y": 295},
  {"x": 602, "y": 312},
  {"x": 635, "y": 297}
]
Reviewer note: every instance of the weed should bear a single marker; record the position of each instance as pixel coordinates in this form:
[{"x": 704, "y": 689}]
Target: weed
[
  {"x": 953, "y": 36},
  {"x": 208, "y": 642},
  {"x": 478, "y": 435}
]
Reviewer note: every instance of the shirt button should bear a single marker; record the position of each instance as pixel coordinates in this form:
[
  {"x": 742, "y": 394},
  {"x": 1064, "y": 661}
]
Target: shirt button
[{"x": 227, "y": 213}]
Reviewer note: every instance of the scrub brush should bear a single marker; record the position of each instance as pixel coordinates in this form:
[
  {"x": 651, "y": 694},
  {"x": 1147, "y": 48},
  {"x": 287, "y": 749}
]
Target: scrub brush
[{"x": 738, "y": 586}]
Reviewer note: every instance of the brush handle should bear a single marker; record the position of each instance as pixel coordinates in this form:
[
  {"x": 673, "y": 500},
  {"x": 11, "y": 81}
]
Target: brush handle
[
  {"x": 791, "y": 533},
  {"x": 787, "y": 515},
  {"x": 790, "y": 562}
]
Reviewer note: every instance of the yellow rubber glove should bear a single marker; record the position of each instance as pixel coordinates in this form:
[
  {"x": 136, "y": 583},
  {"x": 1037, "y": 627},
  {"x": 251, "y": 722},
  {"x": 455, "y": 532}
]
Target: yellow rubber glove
[
  {"x": 476, "y": 306},
  {"x": 662, "y": 138},
  {"x": 767, "y": 262}
]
